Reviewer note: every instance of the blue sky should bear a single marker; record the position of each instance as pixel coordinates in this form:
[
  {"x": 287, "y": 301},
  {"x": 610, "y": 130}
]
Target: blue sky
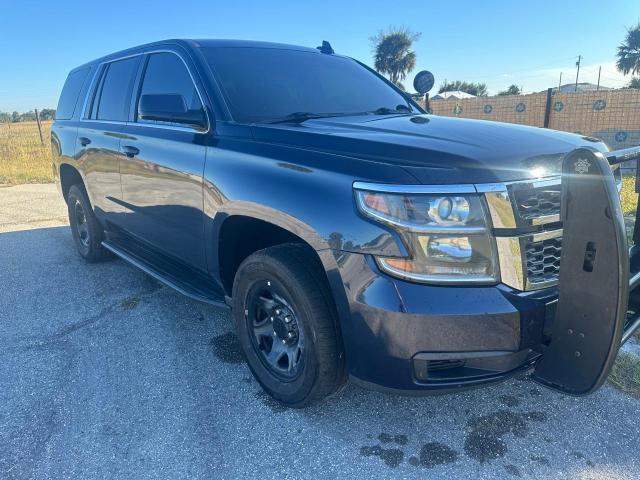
[{"x": 499, "y": 43}]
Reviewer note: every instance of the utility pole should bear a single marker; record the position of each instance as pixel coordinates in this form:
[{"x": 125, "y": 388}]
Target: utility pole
[
  {"x": 560, "y": 81},
  {"x": 599, "y": 70},
  {"x": 578, "y": 71}
]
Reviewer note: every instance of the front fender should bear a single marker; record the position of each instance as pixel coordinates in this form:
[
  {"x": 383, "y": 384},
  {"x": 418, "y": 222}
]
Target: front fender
[{"x": 306, "y": 192}]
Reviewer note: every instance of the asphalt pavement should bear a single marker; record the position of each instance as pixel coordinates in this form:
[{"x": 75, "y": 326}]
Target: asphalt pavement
[{"x": 107, "y": 374}]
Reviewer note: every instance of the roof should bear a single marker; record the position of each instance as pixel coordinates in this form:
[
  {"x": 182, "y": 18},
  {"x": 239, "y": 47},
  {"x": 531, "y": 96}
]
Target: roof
[
  {"x": 190, "y": 43},
  {"x": 456, "y": 94},
  {"x": 582, "y": 87},
  {"x": 249, "y": 43}
]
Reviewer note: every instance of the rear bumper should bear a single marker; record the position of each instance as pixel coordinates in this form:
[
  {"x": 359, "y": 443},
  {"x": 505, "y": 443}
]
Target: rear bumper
[{"x": 421, "y": 339}]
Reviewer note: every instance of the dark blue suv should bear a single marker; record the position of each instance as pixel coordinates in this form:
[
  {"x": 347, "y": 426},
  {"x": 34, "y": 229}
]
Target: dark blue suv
[{"x": 352, "y": 234}]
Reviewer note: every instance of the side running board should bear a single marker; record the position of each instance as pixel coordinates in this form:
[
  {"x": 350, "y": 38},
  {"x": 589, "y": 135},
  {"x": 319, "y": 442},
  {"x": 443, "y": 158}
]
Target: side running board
[{"x": 169, "y": 272}]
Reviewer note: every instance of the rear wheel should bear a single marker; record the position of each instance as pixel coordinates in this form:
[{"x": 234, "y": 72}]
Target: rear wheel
[
  {"x": 286, "y": 325},
  {"x": 85, "y": 228}
]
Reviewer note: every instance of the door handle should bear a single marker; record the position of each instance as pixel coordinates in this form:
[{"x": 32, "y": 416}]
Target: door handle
[
  {"x": 130, "y": 151},
  {"x": 84, "y": 141}
]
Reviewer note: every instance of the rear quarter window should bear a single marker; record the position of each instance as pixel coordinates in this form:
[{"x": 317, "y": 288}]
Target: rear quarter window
[
  {"x": 114, "y": 93},
  {"x": 70, "y": 92}
]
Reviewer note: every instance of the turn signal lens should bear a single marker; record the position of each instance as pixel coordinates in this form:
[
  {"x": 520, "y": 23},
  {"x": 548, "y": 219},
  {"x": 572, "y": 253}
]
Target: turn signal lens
[{"x": 376, "y": 202}]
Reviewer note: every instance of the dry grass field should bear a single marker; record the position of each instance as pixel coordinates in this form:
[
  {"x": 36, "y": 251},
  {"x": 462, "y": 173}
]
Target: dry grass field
[{"x": 23, "y": 159}]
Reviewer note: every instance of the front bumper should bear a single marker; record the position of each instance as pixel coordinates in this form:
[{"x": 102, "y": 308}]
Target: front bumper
[
  {"x": 420, "y": 338},
  {"x": 423, "y": 338}
]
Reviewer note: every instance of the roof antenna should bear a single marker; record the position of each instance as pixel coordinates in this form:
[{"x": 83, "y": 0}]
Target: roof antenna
[{"x": 326, "y": 48}]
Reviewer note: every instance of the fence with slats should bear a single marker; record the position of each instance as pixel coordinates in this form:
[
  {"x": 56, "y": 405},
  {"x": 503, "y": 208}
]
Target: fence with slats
[{"x": 610, "y": 115}]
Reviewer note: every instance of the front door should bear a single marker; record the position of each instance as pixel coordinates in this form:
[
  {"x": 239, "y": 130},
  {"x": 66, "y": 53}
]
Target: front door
[
  {"x": 594, "y": 279},
  {"x": 162, "y": 165}
]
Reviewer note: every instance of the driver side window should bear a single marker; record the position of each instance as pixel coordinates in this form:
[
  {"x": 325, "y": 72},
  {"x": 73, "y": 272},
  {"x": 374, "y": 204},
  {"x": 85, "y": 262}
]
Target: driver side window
[{"x": 167, "y": 80}]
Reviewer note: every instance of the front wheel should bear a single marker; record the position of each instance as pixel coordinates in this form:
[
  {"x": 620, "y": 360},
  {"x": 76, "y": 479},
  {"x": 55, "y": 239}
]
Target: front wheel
[{"x": 287, "y": 326}]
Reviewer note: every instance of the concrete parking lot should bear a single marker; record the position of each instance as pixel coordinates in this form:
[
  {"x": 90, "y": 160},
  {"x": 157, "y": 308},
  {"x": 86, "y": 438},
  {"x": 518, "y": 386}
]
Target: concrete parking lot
[{"x": 105, "y": 373}]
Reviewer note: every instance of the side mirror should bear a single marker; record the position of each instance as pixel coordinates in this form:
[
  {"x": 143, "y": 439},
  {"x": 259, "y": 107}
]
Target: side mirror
[
  {"x": 170, "y": 107},
  {"x": 423, "y": 82}
]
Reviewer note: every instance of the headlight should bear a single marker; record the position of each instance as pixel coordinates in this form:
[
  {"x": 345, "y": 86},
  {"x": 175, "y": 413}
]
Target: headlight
[{"x": 447, "y": 235}]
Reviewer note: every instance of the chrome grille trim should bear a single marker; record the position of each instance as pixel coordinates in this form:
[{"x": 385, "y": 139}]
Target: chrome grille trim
[
  {"x": 523, "y": 263},
  {"x": 503, "y": 198}
]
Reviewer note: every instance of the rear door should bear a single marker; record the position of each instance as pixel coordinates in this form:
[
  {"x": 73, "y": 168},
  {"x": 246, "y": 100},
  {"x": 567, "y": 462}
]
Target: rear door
[
  {"x": 162, "y": 164},
  {"x": 65, "y": 128},
  {"x": 100, "y": 131},
  {"x": 594, "y": 279}
]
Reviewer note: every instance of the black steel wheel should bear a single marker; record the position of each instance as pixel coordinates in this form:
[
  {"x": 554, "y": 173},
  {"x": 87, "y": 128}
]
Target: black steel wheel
[
  {"x": 85, "y": 227},
  {"x": 81, "y": 226},
  {"x": 287, "y": 325},
  {"x": 277, "y": 337}
]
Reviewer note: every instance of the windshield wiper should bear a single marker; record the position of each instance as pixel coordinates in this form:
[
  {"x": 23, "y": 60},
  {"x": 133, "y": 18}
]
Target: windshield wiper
[
  {"x": 392, "y": 111},
  {"x": 299, "y": 117}
]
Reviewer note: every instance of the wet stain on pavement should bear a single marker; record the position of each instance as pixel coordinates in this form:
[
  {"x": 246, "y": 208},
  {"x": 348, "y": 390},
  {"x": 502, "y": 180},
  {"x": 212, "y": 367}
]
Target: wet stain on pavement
[
  {"x": 510, "y": 400},
  {"x": 399, "y": 439},
  {"x": 390, "y": 456},
  {"x": 227, "y": 348},
  {"x": 433, "y": 454},
  {"x": 270, "y": 402},
  {"x": 580, "y": 456},
  {"x": 540, "y": 459},
  {"x": 485, "y": 440},
  {"x": 513, "y": 470},
  {"x": 130, "y": 303}
]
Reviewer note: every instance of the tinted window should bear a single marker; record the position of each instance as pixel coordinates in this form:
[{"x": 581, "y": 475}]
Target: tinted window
[
  {"x": 70, "y": 92},
  {"x": 267, "y": 83},
  {"x": 167, "y": 74},
  {"x": 113, "y": 94}
]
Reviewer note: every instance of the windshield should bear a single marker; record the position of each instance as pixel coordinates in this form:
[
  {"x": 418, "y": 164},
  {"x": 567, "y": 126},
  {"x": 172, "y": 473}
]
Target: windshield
[{"x": 271, "y": 84}]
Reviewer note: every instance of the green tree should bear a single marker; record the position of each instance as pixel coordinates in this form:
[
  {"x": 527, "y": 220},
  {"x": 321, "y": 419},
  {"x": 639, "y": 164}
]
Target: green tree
[
  {"x": 634, "y": 83},
  {"x": 392, "y": 53},
  {"x": 477, "y": 89},
  {"x": 29, "y": 116},
  {"x": 629, "y": 52},
  {"x": 512, "y": 90},
  {"x": 47, "y": 114}
]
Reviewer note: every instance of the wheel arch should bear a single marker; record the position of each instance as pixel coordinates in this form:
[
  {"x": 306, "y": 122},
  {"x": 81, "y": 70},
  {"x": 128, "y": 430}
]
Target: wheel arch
[
  {"x": 238, "y": 222},
  {"x": 69, "y": 175}
]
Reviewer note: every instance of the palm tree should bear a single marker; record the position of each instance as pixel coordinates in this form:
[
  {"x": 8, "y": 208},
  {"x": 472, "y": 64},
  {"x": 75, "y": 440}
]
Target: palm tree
[
  {"x": 629, "y": 52},
  {"x": 393, "y": 55},
  {"x": 634, "y": 83}
]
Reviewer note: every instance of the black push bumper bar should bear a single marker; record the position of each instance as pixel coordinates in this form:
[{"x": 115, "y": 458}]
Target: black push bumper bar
[
  {"x": 632, "y": 323},
  {"x": 597, "y": 307}
]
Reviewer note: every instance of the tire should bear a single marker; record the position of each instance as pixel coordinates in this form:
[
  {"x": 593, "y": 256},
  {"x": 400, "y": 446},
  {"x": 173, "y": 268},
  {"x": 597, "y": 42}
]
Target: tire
[
  {"x": 85, "y": 228},
  {"x": 271, "y": 285}
]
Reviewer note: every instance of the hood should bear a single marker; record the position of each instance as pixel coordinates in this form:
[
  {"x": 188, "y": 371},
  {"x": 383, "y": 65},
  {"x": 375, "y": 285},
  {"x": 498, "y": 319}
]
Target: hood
[{"x": 436, "y": 149}]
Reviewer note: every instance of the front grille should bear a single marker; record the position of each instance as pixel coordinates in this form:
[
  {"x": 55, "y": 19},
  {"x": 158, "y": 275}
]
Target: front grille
[
  {"x": 543, "y": 260},
  {"x": 533, "y": 203}
]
